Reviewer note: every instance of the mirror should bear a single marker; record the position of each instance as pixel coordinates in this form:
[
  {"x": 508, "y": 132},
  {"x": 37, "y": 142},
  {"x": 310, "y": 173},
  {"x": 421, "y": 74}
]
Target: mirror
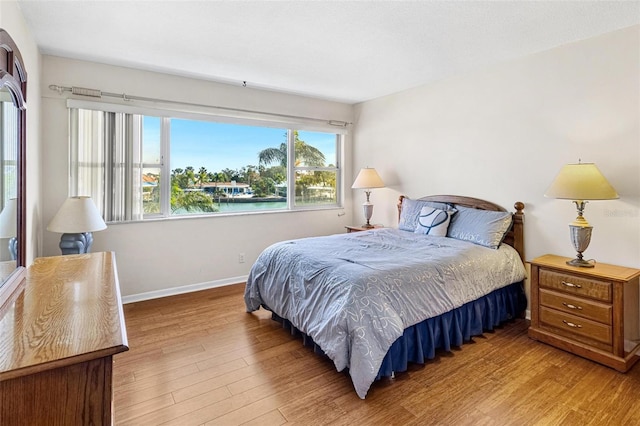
[
  {"x": 13, "y": 87},
  {"x": 8, "y": 177}
]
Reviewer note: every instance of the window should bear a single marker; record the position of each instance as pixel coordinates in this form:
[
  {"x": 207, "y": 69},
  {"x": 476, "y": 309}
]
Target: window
[
  {"x": 316, "y": 172},
  {"x": 139, "y": 166}
]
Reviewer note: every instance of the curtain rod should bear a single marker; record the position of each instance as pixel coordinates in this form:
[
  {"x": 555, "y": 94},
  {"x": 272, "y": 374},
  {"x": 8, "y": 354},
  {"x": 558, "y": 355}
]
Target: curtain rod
[{"x": 94, "y": 93}]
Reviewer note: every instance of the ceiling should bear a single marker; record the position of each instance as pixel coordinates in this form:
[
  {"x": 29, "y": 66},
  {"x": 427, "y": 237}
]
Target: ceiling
[{"x": 348, "y": 51}]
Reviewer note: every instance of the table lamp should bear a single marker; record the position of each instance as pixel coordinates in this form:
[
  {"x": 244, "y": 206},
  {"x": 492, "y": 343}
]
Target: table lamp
[
  {"x": 367, "y": 179},
  {"x": 9, "y": 225},
  {"x": 581, "y": 183},
  {"x": 77, "y": 219}
]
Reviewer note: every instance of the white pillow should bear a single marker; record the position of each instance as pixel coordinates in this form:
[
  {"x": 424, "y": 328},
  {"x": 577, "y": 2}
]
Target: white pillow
[{"x": 433, "y": 221}]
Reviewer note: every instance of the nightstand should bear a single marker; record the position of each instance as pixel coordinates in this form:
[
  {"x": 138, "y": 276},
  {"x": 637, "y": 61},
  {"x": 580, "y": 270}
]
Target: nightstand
[
  {"x": 590, "y": 312},
  {"x": 361, "y": 228}
]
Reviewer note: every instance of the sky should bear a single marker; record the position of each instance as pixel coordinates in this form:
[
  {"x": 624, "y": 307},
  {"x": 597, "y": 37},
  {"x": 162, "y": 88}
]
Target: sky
[{"x": 218, "y": 146}]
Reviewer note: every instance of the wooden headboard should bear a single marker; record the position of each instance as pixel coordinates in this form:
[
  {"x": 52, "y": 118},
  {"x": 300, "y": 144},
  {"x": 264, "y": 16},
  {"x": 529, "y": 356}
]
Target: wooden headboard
[{"x": 515, "y": 236}]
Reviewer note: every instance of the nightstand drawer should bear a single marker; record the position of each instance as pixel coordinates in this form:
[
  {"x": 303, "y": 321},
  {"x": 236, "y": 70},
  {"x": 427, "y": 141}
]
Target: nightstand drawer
[
  {"x": 600, "y": 312},
  {"x": 572, "y": 284},
  {"x": 572, "y": 325}
]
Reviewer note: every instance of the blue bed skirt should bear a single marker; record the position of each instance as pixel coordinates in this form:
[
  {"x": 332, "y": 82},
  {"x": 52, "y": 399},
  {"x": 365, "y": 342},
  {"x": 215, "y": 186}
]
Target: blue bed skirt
[{"x": 451, "y": 329}]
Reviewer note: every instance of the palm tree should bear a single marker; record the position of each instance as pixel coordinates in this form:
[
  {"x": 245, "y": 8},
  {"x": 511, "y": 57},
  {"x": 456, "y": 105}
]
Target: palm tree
[
  {"x": 273, "y": 155},
  {"x": 202, "y": 177},
  {"x": 191, "y": 176},
  {"x": 179, "y": 179},
  {"x": 305, "y": 154}
]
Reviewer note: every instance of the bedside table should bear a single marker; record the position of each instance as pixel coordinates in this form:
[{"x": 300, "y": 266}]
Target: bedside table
[
  {"x": 590, "y": 312},
  {"x": 351, "y": 228}
]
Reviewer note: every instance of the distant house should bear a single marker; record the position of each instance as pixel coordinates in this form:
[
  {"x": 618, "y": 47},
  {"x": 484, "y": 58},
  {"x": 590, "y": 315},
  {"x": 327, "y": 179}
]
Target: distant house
[
  {"x": 229, "y": 189},
  {"x": 149, "y": 184}
]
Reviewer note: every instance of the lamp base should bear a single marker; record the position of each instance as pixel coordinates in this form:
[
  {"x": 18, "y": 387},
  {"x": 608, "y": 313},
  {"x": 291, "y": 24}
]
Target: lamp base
[
  {"x": 580, "y": 237},
  {"x": 367, "y": 210},
  {"x": 581, "y": 263},
  {"x": 13, "y": 248},
  {"x": 79, "y": 243}
]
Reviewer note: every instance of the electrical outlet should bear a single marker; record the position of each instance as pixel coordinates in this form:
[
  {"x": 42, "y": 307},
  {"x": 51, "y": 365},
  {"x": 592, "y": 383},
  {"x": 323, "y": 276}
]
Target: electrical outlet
[{"x": 241, "y": 258}]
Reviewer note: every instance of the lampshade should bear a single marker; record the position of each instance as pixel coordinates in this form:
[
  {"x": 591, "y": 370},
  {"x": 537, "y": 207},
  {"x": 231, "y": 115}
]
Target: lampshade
[
  {"x": 367, "y": 178},
  {"x": 9, "y": 219},
  {"x": 77, "y": 214},
  {"x": 582, "y": 181}
]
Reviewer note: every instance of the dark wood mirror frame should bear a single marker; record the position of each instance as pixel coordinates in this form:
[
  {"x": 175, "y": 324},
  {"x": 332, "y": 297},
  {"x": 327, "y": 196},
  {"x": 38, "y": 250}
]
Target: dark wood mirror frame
[{"x": 13, "y": 77}]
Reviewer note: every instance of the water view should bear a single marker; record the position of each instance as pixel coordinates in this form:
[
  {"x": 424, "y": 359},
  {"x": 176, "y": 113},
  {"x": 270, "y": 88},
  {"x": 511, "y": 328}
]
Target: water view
[
  {"x": 231, "y": 206},
  {"x": 261, "y": 154}
]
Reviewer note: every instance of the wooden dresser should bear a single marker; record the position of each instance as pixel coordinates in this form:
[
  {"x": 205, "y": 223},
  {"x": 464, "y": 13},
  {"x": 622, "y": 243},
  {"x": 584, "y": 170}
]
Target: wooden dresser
[
  {"x": 591, "y": 312},
  {"x": 57, "y": 341}
]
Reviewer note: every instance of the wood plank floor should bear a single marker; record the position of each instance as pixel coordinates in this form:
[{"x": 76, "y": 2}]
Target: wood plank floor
[{"x": 200, "y": 359}]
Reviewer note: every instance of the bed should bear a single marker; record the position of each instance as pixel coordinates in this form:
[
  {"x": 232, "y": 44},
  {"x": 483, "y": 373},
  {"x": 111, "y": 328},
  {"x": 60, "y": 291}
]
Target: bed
[{"x": 378, "y": 300}]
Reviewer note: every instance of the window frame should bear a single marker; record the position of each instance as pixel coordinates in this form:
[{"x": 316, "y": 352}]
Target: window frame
[
  {"x": 291, "y": 173},
  {"x": 165, "y": 116}
]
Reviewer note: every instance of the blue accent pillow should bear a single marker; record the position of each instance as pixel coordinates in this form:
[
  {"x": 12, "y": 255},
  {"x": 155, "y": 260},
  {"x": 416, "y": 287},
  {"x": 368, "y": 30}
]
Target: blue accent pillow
[
  {"x": 433, "y": 221},
  {"x": 411, "y": 210},
  {"x": 483, "y": 227}
]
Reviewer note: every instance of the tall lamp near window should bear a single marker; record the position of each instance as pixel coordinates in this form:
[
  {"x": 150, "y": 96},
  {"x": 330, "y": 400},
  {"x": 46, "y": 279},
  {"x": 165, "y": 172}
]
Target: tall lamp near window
[
  {"x": 581, "y": 183},
  {"x": 367, "y": 179},
  {"x": 76, "y": 220}
]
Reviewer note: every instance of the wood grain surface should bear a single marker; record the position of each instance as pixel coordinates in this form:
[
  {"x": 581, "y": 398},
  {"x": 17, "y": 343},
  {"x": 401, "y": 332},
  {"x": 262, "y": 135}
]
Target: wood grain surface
[{"x": 69, "y": 312}]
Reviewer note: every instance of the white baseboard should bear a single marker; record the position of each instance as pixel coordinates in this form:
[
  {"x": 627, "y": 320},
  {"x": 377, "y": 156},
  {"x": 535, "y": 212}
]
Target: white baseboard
[
  {"x": 181, "y": 290},
  {"x": 630, "y": 345}
]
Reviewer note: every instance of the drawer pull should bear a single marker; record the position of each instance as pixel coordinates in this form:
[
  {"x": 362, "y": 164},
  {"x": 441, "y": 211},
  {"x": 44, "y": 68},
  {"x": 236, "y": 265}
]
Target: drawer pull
[
  {"x": 572, "y": 325},
  {"x": 570, "y": 306},
  {"x": 572, "y": 285}
]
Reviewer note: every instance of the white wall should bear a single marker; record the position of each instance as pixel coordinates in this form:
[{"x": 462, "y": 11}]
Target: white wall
[
  {"x": 155, "y": 256},
  {"x": 504, "y": 132},
  {"x": 12, "y": 21},
  {"x": 501, "y": 133}
]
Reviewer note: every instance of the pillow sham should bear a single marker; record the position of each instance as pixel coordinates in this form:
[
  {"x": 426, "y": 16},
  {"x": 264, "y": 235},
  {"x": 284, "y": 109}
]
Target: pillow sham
[
  {"x": 433, "y": 221},
  {"x": 411, "y": 210},
  {"x": 483, "y": 227}
]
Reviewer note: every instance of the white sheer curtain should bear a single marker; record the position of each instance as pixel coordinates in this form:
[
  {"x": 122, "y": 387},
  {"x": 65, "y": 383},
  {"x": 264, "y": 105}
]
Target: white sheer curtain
[
  {"x": 105, "y": 162},
  {"x": 9, "y": 144}
]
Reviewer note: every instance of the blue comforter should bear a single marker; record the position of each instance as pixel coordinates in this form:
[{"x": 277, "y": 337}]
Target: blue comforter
[{"x": 355, "y": 293}]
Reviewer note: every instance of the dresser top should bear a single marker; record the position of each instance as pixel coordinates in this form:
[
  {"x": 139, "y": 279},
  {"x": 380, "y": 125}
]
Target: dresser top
[
  {"x": 600, "y": 270},
  {"x": 69, "y": 311}
]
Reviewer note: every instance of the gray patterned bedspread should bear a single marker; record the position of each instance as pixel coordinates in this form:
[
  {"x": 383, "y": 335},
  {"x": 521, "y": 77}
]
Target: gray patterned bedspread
[{"x": 355, "y": 293}]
